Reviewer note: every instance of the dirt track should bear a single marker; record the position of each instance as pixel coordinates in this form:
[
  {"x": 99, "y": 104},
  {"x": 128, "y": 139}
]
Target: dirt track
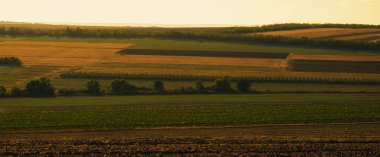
[{"x": 265, "y": 140}]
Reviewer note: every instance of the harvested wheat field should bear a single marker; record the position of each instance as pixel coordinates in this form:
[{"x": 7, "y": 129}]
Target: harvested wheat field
[
  {"x": 365, "y": 37},
  {"x": 200, "y": 60},
  {"x": 323, "y": 32},
  {"x": 59, "y": 53}
]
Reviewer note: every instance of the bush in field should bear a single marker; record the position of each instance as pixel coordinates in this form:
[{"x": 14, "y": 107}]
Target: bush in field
[
  {"x": 244, "y": 85},
  {"x": 40, "y": 88},
  {"x": 122, "y": 87},
  {"x": 93, "y": 87},
  {"x": 223, "y": 85},
  {"x": 199, "y": 86},
  {"x": 67, "y": 92},
  {"x": 16, "y": 92},
  {"x": 159, "y": 86},
  {"x": 10, "y": 61},
  {"x": 3, "y": 91}
]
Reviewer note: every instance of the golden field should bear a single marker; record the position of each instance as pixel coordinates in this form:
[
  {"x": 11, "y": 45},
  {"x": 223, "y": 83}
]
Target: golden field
[
  {"x": 367, "y": 34},
  {"x": 59, "y": 53}
]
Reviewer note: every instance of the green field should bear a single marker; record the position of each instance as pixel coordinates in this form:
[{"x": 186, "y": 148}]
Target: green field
[
  {"x": 195, "y": 110},
  {"x": 12, "y": 76}
]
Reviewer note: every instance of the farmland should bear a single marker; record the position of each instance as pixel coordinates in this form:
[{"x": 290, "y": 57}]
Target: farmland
[
  {"x": 63, "y": 55},
  {"x": 364, "y": 34},
  {"x": 303, "y": 99},
  {"x": 303, "y": 140},
  {"x": 192, "y": 110}
]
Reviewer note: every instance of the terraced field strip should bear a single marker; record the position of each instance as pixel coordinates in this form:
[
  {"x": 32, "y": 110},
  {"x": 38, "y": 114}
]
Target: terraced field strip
[
  {"x": 366, "y": 37},
  {"x": 323, "y": 32},
  {"x": 334, "y": 66},
  {"x": 236, "y": 54},
  {"x": 59, "y": 53},
  {"x": 191, "y": 60},
  {"x": 335, "y": 57}
]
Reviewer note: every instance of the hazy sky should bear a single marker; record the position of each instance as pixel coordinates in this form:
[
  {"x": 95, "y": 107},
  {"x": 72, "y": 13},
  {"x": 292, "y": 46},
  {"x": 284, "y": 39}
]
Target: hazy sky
[{"x": 232, "y": 12}]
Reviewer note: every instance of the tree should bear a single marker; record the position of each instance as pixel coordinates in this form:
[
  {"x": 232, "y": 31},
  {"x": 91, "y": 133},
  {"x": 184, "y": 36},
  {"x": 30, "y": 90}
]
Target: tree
[
  {"x": 122, "y": 87},
  {"x": 16, "y": 92},
  {"x": 93, "y": 87},
  {"x": 244, "y": 85},
  {"x": 199, "y": 86},
  {"x": 67, "y": 92},
  {"x": 3, "y": 91},
  {"x": 159, "y": 86},
  {"x": 223, "y": 85},
  {"x": 40, "y": 88}
]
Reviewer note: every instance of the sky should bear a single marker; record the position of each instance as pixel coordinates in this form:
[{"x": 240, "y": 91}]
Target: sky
[{"x": 191, "y": 12}]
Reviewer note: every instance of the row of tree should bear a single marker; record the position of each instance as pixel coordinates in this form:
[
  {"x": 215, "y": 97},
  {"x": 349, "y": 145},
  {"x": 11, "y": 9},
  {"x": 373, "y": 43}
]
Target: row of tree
[
  {"x": 43, "y": 88},
  {"x": 209, "y": 78}
]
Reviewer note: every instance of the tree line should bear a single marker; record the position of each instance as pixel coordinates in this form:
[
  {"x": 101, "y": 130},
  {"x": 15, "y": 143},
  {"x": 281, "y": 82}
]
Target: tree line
[
  {"x": 234, "y": 34},
  {"x": 209, "y": 78},
  {"x": 43, "y": 87}
]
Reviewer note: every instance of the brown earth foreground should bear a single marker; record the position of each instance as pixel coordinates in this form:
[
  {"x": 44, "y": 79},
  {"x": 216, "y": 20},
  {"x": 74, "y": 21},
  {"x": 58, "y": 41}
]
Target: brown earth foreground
[{"x": 356, "y": 139}]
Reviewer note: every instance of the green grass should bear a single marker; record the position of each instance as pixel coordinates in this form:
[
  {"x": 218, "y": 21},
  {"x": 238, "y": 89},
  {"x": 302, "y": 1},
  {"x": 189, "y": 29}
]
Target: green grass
[
  {"x": 161, "y": 44},
  {"x": 179, "y": 110},
  {"x": 11, "y": 76}
]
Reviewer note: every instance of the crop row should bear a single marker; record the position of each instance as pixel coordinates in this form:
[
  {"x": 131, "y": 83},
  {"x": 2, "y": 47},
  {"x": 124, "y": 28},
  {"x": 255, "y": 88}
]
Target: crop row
[
  {"x": 209, "y": 78},
  {"x": 184, "y": 147},
  {"x": 270, "y": 55}
]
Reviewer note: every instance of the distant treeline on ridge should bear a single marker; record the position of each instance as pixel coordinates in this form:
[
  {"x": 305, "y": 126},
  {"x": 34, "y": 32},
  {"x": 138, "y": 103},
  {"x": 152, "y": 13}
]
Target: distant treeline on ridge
[{"x": 234, "y": 34}]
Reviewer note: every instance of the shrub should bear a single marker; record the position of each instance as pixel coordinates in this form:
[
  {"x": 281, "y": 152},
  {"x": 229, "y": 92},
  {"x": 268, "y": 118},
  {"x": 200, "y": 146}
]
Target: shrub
[
  {"x": 16, "y": 92},
  {"x": 40, "y": 88},
  {"x": 122, "y": 87},
  {"x": 10, "y": 61},
  {"x": 199, "y": 86},
  {"x": 159, "y": 86},
  {"x": 67, "y": 92},
  {"x": 243, "y": 85},
  {"x": 93, "y": 87},
  {"x": 3, "y": 91},
  {"x": 223, "y": 85}
]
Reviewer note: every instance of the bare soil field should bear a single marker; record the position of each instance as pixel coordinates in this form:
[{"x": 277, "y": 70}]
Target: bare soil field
[
  {"x": 289, "y": 140},
  {"x": 59, "y": 53}
]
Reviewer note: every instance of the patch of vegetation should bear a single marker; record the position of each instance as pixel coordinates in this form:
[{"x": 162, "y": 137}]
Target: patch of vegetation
[
  {"x": 179, "y": 77},
  {"x": 185, "y": 110},
  {"x": 10, "y": 61}
]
